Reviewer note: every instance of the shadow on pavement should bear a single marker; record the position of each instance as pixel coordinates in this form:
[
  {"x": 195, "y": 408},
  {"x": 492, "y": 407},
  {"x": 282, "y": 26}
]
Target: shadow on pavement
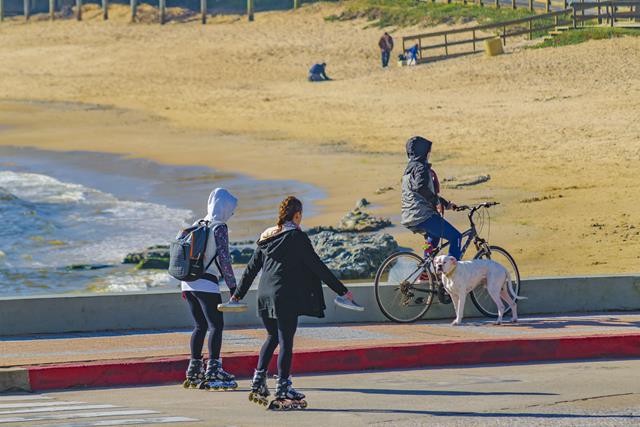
[
  {"x": 430, "y": 392},
  {"x": 474, "y": 414}
]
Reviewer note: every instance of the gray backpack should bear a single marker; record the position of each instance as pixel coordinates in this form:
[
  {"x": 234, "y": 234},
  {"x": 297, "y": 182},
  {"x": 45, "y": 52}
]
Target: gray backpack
[{"x": 187, "y": 252}]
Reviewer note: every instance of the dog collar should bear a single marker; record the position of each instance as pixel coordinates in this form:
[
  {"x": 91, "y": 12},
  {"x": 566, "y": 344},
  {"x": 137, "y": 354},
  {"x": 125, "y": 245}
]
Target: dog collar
[{"x": 449, "y": 274}]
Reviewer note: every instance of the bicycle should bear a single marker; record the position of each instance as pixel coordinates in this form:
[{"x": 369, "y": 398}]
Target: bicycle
[{"x": 406, "y": 283}]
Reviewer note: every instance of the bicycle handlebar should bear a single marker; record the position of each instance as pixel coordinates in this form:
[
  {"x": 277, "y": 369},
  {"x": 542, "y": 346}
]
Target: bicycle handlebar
[{"x": 476, "y": 207}]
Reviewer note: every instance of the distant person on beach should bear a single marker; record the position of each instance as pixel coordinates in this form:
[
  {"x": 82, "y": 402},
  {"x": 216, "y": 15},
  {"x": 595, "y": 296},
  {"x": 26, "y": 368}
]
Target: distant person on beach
[
  {"x": 203, "y": 296},
  {"x": 386, "y": 46},
  {"x": 290, "y": 286},
  {"x": 317, "y": 73},
  {"x": 412, "y": 54}
]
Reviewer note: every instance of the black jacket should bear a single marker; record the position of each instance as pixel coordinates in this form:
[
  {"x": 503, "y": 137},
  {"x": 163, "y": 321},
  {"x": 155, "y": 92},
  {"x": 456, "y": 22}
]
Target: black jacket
[{"x": 291, "y": 275}]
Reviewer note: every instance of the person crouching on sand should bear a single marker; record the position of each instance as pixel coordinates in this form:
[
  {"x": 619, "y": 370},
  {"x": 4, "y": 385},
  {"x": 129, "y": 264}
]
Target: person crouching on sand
[
  {"x": 203, "y": 297},
  {"x": 318, "y": 73},
  {"x": 290, "y": 286}
]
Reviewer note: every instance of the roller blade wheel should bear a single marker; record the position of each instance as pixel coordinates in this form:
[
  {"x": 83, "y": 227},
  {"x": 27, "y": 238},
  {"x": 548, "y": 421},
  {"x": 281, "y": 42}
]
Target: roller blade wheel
[
  {"x": 287, "y": 405},
  {"x": 259, "y": 399},
  {"x": 191, "y": 384}
]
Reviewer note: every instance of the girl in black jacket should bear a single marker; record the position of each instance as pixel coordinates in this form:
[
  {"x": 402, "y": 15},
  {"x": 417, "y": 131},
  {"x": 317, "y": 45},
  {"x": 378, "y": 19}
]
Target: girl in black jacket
[{"x": 290, "y": 286}]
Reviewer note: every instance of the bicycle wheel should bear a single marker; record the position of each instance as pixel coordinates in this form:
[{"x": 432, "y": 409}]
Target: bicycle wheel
[
  {"x": 404, "y": 291},
  {"x": 480, "y": 296}
]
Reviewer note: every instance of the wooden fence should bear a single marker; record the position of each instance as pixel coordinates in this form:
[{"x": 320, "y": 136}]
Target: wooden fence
[
  {"x": 133, "y": 4},
  {"x": 465, "y": 40}
]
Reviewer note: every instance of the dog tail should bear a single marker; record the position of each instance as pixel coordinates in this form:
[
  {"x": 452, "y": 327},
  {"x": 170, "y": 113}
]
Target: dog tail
[{"x": 510, "y": 288}]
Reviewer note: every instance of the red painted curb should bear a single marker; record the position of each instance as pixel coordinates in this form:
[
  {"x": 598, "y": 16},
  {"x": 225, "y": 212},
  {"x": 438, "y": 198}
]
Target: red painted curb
[{"x": 168, "y": 370}]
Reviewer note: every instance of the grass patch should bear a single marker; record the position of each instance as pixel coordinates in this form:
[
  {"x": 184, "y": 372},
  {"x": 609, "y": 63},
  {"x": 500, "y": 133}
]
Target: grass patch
[
  {"x": 572, "y": 37},
  {"x": 385, "y": 13}
]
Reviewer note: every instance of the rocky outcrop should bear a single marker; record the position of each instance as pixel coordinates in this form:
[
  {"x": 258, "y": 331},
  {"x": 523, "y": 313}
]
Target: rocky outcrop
[{"x": 353, "y": 255}]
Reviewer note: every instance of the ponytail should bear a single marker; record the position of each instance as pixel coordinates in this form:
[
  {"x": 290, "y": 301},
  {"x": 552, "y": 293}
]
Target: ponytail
[{"x": 288, "y": 208}]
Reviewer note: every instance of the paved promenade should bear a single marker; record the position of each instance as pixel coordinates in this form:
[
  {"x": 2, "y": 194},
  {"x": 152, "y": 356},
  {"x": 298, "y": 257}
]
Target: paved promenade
[{"x": 84, "y": 347}]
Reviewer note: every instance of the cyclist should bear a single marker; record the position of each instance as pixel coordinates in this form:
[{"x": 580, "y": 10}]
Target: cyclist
[{"x": 421, "y": 202}]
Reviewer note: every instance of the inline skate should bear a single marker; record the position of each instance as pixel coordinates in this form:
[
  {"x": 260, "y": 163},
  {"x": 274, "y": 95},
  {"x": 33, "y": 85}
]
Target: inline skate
[
  {"x": 259, "y": 391},
  {"x": 195, "y": 374},
  {"x": 216, "y": 378},
  {"x": 287, "y": 397}
]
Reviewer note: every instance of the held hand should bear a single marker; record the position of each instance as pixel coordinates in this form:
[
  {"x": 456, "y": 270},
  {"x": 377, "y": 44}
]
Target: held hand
[{"x": 234, "y": 298}]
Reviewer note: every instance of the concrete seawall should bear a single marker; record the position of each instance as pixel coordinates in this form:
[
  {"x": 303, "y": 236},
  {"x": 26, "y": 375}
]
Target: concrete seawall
[{"x": 167, "y": 310}]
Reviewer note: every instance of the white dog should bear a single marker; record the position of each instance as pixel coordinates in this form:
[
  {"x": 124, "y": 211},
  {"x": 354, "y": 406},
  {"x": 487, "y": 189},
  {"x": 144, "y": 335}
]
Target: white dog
[{"x": 461, "y": 277}]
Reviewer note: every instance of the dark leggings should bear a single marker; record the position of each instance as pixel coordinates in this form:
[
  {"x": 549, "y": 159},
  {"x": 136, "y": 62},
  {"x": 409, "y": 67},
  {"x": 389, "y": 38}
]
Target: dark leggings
[
  {"x": 280, "y": 332},
  {"x": 204, "y": 309}
]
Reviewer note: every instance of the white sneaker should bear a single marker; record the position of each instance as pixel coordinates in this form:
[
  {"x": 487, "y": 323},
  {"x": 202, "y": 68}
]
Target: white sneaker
[{"x": 233, "y": 306}]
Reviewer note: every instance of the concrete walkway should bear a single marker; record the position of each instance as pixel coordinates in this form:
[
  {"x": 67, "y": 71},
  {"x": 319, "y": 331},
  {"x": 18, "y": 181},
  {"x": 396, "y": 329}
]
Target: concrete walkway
[{"x": 86, "y": 347}]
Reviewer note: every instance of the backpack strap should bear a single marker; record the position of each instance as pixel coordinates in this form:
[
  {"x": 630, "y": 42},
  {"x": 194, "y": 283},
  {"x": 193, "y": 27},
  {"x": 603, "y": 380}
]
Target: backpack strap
[{"x": 213, "y": 230}]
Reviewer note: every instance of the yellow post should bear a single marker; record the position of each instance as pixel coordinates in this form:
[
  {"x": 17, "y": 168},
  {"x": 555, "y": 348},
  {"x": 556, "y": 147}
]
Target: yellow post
[{"x": 250, "y": 10}]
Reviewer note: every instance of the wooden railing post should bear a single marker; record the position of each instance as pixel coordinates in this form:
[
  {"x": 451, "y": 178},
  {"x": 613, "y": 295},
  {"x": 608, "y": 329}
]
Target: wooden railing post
[
  {"x": 599, "y": 13},
  {"x": 27, "y": 9},
  {"x": 79, "y": 10},
  {"x": 250, "y": 10},
  {"x": 497, "y": 4},
  {"x": 474, "y": 40},
  {"x": 548, "y": 8},
  {"x": 1, "y": 10},
  {"x": 582, "y": 1},
  {"x": 134, "y": 9},
  {"x": 162, "y": 5},
  {"x": 296, "y": 4},
  {"x": 530, "y": 5},
  {"x": 446, "y": 45},
  {"x": 514, "y": 4},
  {"x": 504, "y": 36},
  {"x": 575, "y": 21},
  {"x": 105, "y": 9},
  {"x": 52, "y": 9},
  {"x": 531, "y": 29},
  {"x": 203, "y": 11}
]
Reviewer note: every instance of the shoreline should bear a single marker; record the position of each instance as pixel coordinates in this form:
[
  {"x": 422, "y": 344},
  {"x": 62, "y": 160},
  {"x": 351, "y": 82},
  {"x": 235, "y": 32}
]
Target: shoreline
[{"x": 562, "y": 153}]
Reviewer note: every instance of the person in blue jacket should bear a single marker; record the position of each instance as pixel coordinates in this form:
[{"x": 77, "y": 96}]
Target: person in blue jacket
[{"x": 317, "y": 73}]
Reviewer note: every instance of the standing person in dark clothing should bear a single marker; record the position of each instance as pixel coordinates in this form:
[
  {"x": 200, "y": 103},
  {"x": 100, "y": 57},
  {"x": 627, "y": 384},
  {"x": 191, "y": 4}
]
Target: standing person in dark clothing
[
  {"x": 386, "y": 46},
  {"x": 290, "y": 286},
  {"x": 317, "y": 73}
]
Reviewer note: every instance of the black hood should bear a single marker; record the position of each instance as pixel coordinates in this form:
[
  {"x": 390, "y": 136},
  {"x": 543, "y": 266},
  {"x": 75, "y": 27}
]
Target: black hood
[
  {"x": 417, "y": 148},
  {"x": 276, "y": 246}
]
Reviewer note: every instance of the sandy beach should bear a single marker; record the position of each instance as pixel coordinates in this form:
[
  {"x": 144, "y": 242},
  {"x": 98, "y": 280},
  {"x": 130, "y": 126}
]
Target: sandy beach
[{"x": 556, "y": 129}]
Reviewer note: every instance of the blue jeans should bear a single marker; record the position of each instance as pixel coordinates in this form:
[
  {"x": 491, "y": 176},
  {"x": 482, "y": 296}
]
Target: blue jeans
[
  {"x": 385, "y": 57},
  {"x": 435, "y": 228}
]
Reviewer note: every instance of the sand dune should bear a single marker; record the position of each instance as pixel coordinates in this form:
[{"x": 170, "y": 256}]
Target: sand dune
[{"x": 557, "y": 129}]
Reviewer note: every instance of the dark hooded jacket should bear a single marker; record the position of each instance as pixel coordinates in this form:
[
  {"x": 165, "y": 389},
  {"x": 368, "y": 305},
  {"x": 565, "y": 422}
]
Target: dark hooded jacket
[
  {"x": 419, "y": 196},
  {"x": 292, "y": 272}
]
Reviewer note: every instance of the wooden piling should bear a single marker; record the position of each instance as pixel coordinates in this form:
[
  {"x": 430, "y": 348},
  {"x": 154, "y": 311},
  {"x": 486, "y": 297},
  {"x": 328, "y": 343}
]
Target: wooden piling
[
  {"x": 1, "y": 10},
  {"x": 134, "y": 9},
  {"x": 514, "y": 6},
  {"x": 250, "y": 10},
  {"x": 52, "y": 9},
  {"x": 27, "y": 9},
  {"x": 105, "y": 9},
  {"x": 162, "y": 5},
  {"x": 203, "y": 11},
  {"x": 79, "y": 10}
]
